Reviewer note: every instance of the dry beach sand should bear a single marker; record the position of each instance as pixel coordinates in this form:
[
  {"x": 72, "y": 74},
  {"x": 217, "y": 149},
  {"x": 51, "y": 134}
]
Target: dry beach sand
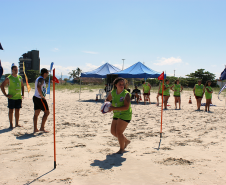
[{"x": 192, "y": 150}]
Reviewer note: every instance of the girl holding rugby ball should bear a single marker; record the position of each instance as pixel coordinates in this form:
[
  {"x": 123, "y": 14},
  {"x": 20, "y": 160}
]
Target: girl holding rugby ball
[{"x": 121, "y": 107}]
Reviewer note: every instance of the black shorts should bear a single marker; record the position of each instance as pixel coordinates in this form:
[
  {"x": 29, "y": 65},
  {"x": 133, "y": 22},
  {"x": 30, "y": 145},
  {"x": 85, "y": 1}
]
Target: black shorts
[
  {"x": 176, "y": 96},
  {"x": 40, "y": 103},
  {"x": 14, "y": 104},
  {"x": 146, "y": 94},
  {"x": 122, "y": 119},
  {"x": 197, "y": 97}
]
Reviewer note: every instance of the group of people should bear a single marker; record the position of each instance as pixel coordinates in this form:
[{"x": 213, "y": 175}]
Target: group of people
[
  {"x": 16, "y": 94},
  {"x": 199, "y": 90},
  {"x": 121, "y": 102},
  {"x": 119, "y": 96}
]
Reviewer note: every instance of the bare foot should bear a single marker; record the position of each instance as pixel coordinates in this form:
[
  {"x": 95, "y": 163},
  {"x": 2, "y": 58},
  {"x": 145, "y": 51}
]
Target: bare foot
[
  {"x": 157, "y": 104},
  {"x": 120, "y": 152},
  {"x": 36, "y": 130},
  {"x": 43, "y": 130},
  {"x": 18, "y": 126},
  {"x": 11, "y": 127},
  {"x": 126, "y": 143}
]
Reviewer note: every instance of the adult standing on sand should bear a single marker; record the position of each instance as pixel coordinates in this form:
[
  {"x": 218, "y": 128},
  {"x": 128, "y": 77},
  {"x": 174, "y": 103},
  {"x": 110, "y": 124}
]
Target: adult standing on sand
[
  {"x": 177, "y": 88},
  {"x": 39, "y": 100},
  {"x": 146, "y": 91},
  {"x": 198, "y": 93},
  {"x": 159, "y": 92},
  {"x": 208, "y": 94},
  {"x": 166, "y": 93},
  {"x": 14, "y": 96},
  {"x": 121, "y": 107}
]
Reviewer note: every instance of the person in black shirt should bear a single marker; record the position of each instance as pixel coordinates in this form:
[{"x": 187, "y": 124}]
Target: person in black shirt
[{"x": 136, "y": 93}]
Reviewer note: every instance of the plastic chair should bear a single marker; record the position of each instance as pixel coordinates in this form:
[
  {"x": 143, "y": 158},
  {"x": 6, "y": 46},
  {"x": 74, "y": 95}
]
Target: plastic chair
[{"x": 101, "y": 92}]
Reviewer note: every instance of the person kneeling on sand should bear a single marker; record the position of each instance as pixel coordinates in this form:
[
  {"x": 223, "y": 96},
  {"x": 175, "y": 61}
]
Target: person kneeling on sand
[
  {"x": 39, "y": 100},
  {"x": 121, "y": 107}
]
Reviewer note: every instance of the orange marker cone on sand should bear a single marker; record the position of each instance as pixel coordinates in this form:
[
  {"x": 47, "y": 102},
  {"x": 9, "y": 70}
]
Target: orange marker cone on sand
[
  {"x": 190, "y": 102},
  {"x": 140, "y": 98}
]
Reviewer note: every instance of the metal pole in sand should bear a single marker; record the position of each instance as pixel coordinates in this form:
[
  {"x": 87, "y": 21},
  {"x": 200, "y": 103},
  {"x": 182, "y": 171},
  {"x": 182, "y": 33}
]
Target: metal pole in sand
[
  {"x": 161, "y": 113},
  {"x": 54, "y": 135}
]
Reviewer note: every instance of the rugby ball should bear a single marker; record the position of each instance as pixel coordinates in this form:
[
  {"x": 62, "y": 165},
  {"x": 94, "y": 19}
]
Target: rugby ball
[{"x": 105, "y": 107}]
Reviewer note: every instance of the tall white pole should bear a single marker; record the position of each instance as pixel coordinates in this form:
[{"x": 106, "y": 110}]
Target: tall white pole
[{"x": 123, "y": 64}]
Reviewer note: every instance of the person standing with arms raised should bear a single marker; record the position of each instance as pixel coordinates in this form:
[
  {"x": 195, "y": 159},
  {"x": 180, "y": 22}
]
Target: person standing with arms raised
[
  {"x": 146, "y": 91},
  {"x": 14, "y": 96},
  {"x": 39, "y": 100},
  {"x": 198, "y": 93},
  {"x": 121, "y": 107}
]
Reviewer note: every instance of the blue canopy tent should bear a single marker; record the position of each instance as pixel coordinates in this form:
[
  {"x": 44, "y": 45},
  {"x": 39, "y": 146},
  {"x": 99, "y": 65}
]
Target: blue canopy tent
[
  {"x": 138, "y": 70},
  {"x": 100, "y": 72}
]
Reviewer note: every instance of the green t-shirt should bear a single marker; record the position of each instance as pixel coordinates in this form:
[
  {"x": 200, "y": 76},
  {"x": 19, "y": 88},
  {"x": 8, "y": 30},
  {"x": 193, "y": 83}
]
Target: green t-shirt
[
  {"x": 118, "y": 101},
  {"x": 167, "y": 91},
  {"x": 208, "y": 95},
  {"x": 146, "y": 87},
  {"x": 177, "y": 89},
  {"x": 199, "y": 90},
  {"x": 14, "y": 88}
]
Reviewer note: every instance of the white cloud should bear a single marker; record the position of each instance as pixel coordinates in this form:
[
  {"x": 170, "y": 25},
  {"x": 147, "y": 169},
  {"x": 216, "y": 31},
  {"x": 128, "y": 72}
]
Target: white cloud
[
  {"x": 89, "y": 67},
  {"x": 55, "y": 49},
  {"x": 90, "y": 52},
  {"x": 6, "y": 67},
  {"x": 168, "y": 61},
  {"x": 60, "y": 69}
]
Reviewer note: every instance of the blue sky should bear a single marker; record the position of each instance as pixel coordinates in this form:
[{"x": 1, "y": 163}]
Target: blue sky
[{"x": 167, "y": 35}]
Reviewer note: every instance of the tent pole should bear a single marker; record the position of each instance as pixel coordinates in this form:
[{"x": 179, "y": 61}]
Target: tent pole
[{"x": 80, "y": 88}]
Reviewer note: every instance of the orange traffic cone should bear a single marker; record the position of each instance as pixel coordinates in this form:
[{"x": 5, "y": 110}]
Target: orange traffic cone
[
  {"x": 190, "y": 102},
  {"x": 140, "y": 98}
]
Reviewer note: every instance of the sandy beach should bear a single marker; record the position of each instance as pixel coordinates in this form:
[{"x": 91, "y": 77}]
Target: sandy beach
[{"x": 192, "y": 149}]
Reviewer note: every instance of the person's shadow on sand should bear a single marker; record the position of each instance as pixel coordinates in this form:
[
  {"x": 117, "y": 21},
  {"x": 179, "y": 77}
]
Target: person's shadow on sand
[
  {"x": 110, "y": 161},
  {"x": 5, "y": 130},
  {"x": 28, "y": 136}
]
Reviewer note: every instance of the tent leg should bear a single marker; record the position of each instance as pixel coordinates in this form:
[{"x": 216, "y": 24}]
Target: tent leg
[{"x": 80, "y": 88}]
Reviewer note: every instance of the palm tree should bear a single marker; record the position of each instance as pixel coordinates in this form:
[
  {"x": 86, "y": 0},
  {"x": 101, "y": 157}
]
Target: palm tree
[
  {"x": 72, "y": 74},
  {"x": 75, "y": 73},
  {"x": 78, "y": 72}
]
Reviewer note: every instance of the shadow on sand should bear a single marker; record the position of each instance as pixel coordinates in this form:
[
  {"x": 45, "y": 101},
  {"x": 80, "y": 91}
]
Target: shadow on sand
[
  {"x": 28, "y": 136},
  {"x": 39, "y": 177},
  {"x": 110, "y": 161},
  {"x": 5, "y": 130}
]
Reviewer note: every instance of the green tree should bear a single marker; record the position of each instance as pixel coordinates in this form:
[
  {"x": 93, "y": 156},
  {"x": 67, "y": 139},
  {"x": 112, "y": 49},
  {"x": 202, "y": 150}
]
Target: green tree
[
  {"x": 72, "y": 74},
  {"x": 6, "y": 75},
  {"x": 203, "y": 75},
  {"x": 32, "y": 75}
]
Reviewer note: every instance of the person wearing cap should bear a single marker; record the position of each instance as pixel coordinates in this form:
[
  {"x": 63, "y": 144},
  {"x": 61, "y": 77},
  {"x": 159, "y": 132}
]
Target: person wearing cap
[
  {"x": 39, "y": 100},
  {"x": 15, "y": 87}
]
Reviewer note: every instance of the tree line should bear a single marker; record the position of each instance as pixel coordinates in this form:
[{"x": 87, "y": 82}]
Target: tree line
[{"x": 189, "y": 81}]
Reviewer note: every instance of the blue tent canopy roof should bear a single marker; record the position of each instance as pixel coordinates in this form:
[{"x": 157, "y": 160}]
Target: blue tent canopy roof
[
  {"x": 101, "y": 72},
  {"x": 138, "y": 70}
]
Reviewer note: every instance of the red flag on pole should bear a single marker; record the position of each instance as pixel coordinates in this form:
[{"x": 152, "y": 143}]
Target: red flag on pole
[
  {"x": 55, "y": 79},
  {"x": 161, "y": 77}
]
